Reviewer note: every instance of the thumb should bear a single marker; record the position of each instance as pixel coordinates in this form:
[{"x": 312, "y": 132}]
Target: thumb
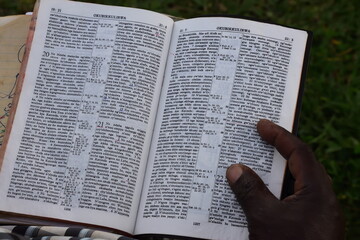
[{"x": 251, "y": 192}]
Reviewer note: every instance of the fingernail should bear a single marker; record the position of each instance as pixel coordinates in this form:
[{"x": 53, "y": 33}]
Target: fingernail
[
  {"x": 265, "y": 121},
  {"x": 264, "y": 124},
  {"x": 233, "y": 173}
]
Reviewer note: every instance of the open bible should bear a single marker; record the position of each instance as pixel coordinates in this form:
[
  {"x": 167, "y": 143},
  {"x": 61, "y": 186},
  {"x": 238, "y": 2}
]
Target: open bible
[{"x": 126, "y": 119}]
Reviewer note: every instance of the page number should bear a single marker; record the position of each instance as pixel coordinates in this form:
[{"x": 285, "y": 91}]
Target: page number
[
  {"x": 56, "y": 10},
  {"x": 162, "y": 25}
]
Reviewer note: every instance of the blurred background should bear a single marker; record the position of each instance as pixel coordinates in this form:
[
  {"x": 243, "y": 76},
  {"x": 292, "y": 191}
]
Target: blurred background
[{"x": 330, "y": 117}]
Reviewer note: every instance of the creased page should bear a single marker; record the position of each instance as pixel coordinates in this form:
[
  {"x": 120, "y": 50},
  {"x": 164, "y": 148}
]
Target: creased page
[
  {"x": 223, "y": 76},
  {"x": 81, "y": 134}
]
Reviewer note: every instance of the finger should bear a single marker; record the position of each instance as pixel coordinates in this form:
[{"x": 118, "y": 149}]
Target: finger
[
  {"x": 285, "y": 142},
  {"x": 301, "y": 161},
  {"x": 250, "y": 190}
]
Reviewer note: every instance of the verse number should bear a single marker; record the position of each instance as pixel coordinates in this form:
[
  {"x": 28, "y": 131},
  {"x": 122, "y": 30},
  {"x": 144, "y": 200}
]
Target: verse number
[{"x": 46, "y": 54}]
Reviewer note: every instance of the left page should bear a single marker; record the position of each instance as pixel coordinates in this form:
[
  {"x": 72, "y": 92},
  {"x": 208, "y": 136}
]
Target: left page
[{"x": 79, "y": 141}]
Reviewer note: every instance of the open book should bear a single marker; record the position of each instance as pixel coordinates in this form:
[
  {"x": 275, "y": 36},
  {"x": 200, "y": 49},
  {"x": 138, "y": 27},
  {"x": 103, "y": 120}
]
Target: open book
[{"x": 129, "y": 120}]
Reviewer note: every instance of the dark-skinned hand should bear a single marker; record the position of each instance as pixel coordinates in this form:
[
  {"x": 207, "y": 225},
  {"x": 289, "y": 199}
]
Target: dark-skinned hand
[{"x": 312, "y": 212}]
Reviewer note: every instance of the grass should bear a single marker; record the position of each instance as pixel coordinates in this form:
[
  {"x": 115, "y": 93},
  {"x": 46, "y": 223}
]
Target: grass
[{"x": 330, "y": 119}]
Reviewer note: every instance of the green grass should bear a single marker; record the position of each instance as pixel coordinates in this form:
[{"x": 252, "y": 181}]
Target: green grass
[{"x": 330, "y": 119}]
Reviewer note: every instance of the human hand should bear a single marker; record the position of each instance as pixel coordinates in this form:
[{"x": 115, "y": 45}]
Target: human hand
[{"x": 312, "y": 212}]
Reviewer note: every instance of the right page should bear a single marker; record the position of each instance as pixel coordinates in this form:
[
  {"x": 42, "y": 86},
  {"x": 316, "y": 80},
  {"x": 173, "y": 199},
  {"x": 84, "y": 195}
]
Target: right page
[{"x": 223, "y": 75}]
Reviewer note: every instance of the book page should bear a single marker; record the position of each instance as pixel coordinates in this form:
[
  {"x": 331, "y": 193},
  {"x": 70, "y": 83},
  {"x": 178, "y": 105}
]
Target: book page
[
  {"x": 80, "y": 139},
  {"x": 13, "y": 32},
  {"x": 223, "y": 76}
]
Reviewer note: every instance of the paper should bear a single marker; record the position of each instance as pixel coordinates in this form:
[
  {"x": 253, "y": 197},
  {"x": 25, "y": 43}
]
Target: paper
[{"x": 13, "y": 32}]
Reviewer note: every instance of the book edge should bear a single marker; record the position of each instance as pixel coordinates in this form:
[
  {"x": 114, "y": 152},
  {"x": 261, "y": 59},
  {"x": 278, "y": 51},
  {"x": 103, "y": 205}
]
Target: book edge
[{"x": 288, "y": 183}]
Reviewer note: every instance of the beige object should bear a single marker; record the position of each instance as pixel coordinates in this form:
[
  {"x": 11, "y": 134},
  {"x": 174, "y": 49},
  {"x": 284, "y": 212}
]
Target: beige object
[{"x": 13, "y": 32}]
